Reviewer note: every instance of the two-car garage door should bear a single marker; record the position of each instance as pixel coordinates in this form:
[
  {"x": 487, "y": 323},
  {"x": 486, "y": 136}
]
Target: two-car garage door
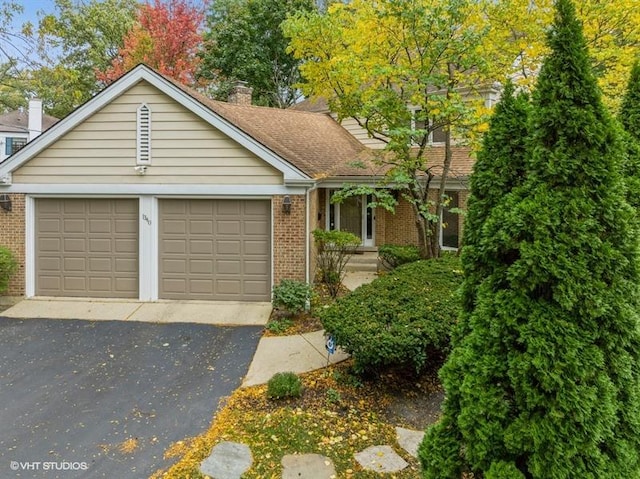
[{"x": 207, "y": 249}]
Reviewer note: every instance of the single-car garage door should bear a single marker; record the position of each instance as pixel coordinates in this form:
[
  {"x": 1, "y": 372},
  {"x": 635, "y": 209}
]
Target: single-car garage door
[
  {"x": 215, "y": 249},
  {"x": 87, "y": 247}
]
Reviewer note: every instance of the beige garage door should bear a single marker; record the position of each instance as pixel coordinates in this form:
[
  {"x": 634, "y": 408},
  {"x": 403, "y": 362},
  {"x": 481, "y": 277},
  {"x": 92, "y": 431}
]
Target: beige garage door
[
  {"x": 215, "y": 249},
  {"x": 87, "y": 247}
]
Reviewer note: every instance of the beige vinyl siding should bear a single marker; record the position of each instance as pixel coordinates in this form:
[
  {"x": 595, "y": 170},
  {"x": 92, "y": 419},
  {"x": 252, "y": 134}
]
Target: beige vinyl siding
[
  {"x": 185, "y": 149},
  {"x": 360, "y": 134}
]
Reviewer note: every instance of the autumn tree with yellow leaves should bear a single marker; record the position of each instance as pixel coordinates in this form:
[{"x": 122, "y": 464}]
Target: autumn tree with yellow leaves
[{"x": 402, "y": 70}]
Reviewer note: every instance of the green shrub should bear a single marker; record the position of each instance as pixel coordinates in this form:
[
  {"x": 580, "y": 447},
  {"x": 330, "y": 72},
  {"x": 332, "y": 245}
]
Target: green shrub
[
  {"x": 333, "y": 396},
  {"x": 291, "y": 296},
  {"x": 400, "y": 318},
  {"x": 279, "y": 326},
  {"x": 284, "y": 385},
  {"x": 8, "y": 265},
  {"x": 393, "y": 255},
  {"x": 334, "y": 248}
]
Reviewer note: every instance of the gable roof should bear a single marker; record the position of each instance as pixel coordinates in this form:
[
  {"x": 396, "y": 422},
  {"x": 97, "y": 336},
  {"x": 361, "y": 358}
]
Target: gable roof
[
  {"x": 291, "y": 173},
  {"x": 17, "y": 121}
]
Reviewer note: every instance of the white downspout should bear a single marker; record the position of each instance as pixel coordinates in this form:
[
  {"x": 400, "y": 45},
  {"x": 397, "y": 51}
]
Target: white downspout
[{"x": 308, "y": 234}]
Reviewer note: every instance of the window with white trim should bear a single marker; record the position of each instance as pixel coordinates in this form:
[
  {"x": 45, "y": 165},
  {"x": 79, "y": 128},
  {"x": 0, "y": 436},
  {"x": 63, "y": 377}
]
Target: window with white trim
[
  {"x": 13, "y": 145},
  {"x": 143, "y": 156}
]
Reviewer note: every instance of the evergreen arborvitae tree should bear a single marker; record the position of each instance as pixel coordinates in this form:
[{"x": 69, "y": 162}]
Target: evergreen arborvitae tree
[
  {"x": 546, "y": 379},
  {"x": 499, "y": 168},
  {"x": 630, "y": 108},
  {"x": 630, "y": 120}
]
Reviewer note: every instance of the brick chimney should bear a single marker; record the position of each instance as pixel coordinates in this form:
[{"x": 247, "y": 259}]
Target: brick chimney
[
  {"x": 240, "y": 93},
  {"x": 35, "y": 118}
]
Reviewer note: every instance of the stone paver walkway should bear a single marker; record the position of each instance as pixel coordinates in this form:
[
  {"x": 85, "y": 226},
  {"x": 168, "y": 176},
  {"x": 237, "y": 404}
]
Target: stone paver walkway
[
  {"x": 381, "y": 459},
  {"x": 307, "y": 466},
  {"x": 229, "y": 460}
]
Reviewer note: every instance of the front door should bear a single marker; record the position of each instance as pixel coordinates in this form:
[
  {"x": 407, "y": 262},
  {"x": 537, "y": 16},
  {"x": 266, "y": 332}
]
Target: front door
[{"x": 354, "y": 216}]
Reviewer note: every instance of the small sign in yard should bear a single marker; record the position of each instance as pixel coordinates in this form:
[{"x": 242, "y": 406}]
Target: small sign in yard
[{"x": 331, "y": 344}]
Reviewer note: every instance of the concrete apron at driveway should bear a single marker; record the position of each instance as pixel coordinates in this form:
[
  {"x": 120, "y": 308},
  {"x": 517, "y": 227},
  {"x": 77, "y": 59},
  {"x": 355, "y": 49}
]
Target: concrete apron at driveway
[{"x": 226, "y": 313}]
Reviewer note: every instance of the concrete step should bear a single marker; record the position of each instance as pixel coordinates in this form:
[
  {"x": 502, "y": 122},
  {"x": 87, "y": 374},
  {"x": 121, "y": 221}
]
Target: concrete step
[
  {"x": 369, "y": 257},
  {"x": 367, "y": 261},
  {"x": 361, "y": 267}
]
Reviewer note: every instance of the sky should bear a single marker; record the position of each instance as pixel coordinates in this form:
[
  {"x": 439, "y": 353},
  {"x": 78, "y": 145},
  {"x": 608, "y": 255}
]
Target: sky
[
  {"x": 35, "y": 9},
  {"x": 31, "y": 9}
]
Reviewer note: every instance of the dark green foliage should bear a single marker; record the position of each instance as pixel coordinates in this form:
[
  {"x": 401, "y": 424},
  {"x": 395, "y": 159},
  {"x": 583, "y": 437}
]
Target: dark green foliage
[
  {"x": 291, "y": 296},
  {"x": 244, "y": 42},
  {"x": 400, "y": 318},
  {"x": 630, "y": 120},
  {"x": 545, "y": 381},
  {"x": 393, "y": 255},
  {"x": 284, "y": 385},
  {"x": 630, "y": 108},
  {"x": 8, "y": 266},
  {"x": 333, "y": 250},
  {"x": 499, "y": 168}
]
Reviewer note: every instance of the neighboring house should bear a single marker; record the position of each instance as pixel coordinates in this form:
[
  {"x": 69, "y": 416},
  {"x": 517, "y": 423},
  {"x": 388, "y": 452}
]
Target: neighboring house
[
  {"x": 152, "y": 191},
  {"x": 19, "y": 127}
]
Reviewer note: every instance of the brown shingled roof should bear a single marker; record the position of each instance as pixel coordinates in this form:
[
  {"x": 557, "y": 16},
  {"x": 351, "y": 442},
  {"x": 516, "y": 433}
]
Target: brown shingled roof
[
  {"x": 316, "y": 105},
  {"x": 314, "y": 142},
  {"x": 17, "y": 121}
]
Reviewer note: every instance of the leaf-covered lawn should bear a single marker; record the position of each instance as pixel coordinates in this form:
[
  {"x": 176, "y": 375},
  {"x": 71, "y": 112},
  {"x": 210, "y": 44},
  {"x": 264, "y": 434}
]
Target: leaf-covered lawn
[{"x": 337, "y": 416}]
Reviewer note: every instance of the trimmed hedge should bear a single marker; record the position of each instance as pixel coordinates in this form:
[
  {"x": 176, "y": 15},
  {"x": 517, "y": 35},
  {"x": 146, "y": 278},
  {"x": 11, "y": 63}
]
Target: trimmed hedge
[
  {"x": 393, "y": 255},
  {"x": 400, "y": 318}
]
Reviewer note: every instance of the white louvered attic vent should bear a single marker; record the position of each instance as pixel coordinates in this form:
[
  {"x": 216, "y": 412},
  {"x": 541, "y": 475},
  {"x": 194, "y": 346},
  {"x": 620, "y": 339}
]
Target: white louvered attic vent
[{"x": 144, "y": 135}]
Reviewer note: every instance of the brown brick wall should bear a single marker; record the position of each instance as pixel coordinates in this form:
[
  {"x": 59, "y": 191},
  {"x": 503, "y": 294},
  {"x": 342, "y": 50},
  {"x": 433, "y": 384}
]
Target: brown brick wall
[
  {"x": 289, "y": 239},
  {"x": 399, "y": 227},
  {"x": 12, "y": 236}
]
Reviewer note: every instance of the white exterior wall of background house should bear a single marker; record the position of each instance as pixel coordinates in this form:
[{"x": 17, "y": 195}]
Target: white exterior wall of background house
[
  {"x": 12, "y": 141},
  {"x": 7, "y": 142}
]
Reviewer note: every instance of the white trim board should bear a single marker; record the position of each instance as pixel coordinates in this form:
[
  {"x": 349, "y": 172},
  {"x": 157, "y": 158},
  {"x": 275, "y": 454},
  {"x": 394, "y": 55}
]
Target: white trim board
[{"x": 152, "y": 189}]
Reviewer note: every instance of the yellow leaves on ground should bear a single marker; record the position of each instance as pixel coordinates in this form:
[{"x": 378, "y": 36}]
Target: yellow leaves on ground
[{"x": 311, "y": 424}]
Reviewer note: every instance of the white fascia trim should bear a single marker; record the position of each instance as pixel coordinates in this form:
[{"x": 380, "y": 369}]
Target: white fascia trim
[
  {"x": 349, "y": 180},
  {"x": 451, "y": 183},
  {"x": 119, "y": 87},
  {"x": 156, "y": 189},
  {"x": 71, "y": 121}
]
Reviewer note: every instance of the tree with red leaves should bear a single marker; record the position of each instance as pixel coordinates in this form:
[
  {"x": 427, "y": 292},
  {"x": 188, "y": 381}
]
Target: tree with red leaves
[{"x": 165, "y": 37}]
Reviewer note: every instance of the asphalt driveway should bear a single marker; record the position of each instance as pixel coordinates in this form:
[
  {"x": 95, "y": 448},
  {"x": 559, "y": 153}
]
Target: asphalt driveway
[{"x": 83, "y": 399}]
